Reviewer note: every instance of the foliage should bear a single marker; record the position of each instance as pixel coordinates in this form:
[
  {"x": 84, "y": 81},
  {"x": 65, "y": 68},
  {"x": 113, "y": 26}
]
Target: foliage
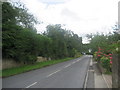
[
  {"x": 105, "y": 61},
  {"x": 65, "y": 43},
  {"x": 107, "y": 42},
  {"x": 16, "y": 39},
  {"x": 103, "y": 58},
  {"x": 103, "y": 46},
  {"x": 17, "y": 15},
  {"x": 21, "y": 42},
  {"x": 18, "y": 45}
]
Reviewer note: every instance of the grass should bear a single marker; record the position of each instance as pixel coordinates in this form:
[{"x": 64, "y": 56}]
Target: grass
[
  {"x": 25, "y": 68},
  {"x": 108, "y": 73}
]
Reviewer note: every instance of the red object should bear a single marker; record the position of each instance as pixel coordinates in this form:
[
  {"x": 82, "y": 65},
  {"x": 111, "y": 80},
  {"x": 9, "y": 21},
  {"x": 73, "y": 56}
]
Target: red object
[
  {"x": 110, "y": 54},
  {"x": 110, "y": 57},
  {"x": 99, "y": 55},
  {"x": 110, "y": 62},
  {"x": 107, "y": 55}
]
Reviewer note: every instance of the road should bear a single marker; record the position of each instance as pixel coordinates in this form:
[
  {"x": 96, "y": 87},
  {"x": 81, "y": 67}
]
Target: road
[{"x": 69, "y": 74}]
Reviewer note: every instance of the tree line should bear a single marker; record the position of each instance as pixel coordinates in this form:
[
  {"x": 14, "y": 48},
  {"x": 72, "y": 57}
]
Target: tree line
[
  {"x": 21, "y": 42},
  {"x": 108, "y": 42}
]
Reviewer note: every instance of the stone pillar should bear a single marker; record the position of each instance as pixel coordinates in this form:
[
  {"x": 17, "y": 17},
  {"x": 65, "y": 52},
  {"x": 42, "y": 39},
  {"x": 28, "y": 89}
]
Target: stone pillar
[
  {"x": 115, "y": 68},
  {"x": 119, "y": 70},
  {"x": 119, "y": 17},
  {"x": 119, "y": 45}
]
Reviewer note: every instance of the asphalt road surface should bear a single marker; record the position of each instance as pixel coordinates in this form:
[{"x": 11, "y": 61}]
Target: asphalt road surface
[{"x": 69, "y": 74}]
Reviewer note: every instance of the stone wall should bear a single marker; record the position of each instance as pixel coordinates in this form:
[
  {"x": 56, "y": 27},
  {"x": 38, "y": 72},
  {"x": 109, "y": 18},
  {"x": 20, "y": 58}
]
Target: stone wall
[
  {"x": 41, "y": 59},
  {"x": 116, "y": 71},
  {"x": 9, "y": 63}
]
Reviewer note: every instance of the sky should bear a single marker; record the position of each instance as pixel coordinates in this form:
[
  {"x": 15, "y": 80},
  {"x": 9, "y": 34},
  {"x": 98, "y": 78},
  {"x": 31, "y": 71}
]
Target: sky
[{"x": 80, "y": 16}]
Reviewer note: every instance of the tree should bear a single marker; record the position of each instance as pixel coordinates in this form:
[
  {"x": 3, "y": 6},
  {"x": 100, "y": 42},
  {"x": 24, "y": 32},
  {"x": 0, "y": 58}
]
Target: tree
[
  {"x": 65, "y": 43},
  {"x": 17, "y": 38},
  {"x": 17, "y": 15}
]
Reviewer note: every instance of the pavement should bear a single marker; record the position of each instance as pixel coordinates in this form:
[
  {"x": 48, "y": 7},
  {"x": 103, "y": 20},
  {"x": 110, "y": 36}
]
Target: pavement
[
  {"x": 108, "y": 79},
  {"x": 101, "y": 80}
]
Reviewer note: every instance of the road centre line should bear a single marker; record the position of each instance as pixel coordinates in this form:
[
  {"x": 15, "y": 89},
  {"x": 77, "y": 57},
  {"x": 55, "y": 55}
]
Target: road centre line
[
  {"x": 64, "y": 67},
  {"x": 67, "y": 65},
  {"x": 86, "y": 79},
  {"x": 31, "y": 84},
  {"x": 73, "y": 62},
  {"x": 53, "y": 73}
]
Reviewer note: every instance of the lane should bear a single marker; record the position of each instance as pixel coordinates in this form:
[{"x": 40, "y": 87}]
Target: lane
[
  {"x": 70, "y": 77},
  {"x": 69, "y": 74}
]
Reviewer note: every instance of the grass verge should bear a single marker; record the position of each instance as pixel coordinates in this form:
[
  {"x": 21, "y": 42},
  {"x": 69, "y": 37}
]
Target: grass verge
[
  {"x": 108, "y": 73},
  {"x": 25, "y": 68}
]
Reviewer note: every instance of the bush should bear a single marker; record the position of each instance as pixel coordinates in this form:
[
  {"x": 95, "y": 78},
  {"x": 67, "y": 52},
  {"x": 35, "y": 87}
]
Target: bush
[
  {"x": 31, "y": 59},
  {"x": 105, "y": 61},
  {"x": 104, "y": 58}
]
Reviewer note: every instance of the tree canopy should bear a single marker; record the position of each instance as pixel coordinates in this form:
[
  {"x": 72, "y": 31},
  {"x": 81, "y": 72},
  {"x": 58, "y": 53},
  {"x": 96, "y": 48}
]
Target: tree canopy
[{"x": 23, "y": 44}]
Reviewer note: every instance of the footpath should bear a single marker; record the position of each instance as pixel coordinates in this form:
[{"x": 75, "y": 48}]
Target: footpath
[{"x": 99, "y": 79}]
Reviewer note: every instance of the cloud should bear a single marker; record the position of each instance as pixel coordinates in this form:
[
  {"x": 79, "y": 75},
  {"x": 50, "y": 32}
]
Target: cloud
[
  {"x": 80, "y": 16},
  {"x": 50, "y": 2},
  {"x": 67, "y": 14}
]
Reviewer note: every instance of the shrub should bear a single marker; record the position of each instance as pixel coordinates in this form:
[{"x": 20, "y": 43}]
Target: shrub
[{"x": 106, "y": 63}]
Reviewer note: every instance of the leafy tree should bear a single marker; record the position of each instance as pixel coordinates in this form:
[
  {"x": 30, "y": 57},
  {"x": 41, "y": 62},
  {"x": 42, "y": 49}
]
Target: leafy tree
[
  {"x": 65, "y": 43},
  {"x": 106, "y": 42},
  {"x": 23, "y": 44},
  {"x": 17, "y": 15},
  {"x": 16, "y": 38}
]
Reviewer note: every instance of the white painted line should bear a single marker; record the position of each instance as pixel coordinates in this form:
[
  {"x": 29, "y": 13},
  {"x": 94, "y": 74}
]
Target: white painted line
[
  {"x": 105, "y": 80},
  {"x": 91, "y": 70},
  {"x": 67, "y": 65},
  {"x": 73, "y": 62},
  {"x": 53, "y": 73},
  {"x": 91, "y": 63},
  {"x": 77, "y": 60},
  {"x": 31, "y": 84},
  {"x": 86, "y": 79}
]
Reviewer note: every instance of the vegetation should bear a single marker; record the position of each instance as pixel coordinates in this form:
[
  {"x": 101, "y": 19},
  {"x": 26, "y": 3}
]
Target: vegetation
[
  {"x": 103, "y": 46},
  {"x": 21, "y": 42}
]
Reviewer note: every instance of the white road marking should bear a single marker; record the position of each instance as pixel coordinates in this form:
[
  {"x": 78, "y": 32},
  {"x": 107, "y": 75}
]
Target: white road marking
[
  {"x": 105, "y": 80},
  {"x": 67, "y": 65},
  {"x": 73, "y": 62},
  {"x": 91, "y": 63},
  {"x": 91, "y": 70},
  {"x": 64, "y": 67},
  {"x": 31, "y": 84},
  {"x": 53, "y": 73},
  {"x": 77, "y": 60},
  {"x": 86, "y": 79}
]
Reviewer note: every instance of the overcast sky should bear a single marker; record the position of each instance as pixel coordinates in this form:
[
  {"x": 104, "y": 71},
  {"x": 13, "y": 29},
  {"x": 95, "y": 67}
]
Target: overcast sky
[{"x": 80, "y": 16}]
